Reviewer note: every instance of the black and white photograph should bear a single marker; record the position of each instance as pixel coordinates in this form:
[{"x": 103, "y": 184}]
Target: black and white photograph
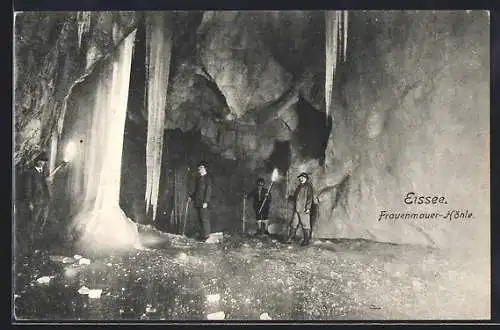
[{"x": 251, "y": 165}]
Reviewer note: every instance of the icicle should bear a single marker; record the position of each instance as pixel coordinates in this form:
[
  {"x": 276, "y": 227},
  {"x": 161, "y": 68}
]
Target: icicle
[
  {"x": 53, "y": 151},
  {"x": 331, "y": 34},
  {"x": 159, "y": 46},
  {"x": 83, "y": 20},
  {"x": 340, "y": 38},
  {"x": 345, "y": 34}
]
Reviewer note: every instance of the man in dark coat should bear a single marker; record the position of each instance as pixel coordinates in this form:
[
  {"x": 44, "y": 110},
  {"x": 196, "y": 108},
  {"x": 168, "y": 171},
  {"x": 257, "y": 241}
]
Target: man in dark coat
[
  {"x": 37, "y": 195},
  {"x": 302, "y": 203},
  {"x": 201, "y": 199},
  {"x": 261, "y": 205}
]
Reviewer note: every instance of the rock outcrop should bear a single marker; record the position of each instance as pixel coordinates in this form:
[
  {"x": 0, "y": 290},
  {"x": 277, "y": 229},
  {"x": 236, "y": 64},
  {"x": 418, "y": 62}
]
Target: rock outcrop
[{"x": 412, "y": 116}]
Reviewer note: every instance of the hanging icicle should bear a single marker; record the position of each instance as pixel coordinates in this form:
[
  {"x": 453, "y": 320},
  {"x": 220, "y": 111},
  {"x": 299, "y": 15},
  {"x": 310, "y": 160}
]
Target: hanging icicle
[
  {"x": 345, "y": 34},
  {"x": 54, "y": 139},
  {"x": 335, "y": 47},
  {"x": 159, "y": 47},
  {"x": 331, "y": 24},
  {"x": 146, "y": 66},
  {"x": 83, "y": 21}
]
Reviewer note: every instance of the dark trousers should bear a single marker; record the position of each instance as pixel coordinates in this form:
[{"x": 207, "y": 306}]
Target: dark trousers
[
  {"x": 38, "y": 219},
  {"x": 264, "y": 213},
  {"x": 203, "y": 220},
  {"x": 29, "y": 222}
]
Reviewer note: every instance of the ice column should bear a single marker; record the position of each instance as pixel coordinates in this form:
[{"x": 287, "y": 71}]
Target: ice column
[
  {"x": 101, "y": 223},
  {"x": 159, "y": 49}
]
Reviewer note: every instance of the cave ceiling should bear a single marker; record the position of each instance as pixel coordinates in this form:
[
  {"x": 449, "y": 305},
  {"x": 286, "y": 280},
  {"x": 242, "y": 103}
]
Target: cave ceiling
[
  {"x": 238, "y": 65},
  {"x": 226, "y": 63},
  {"x": 232, "y": 74}
]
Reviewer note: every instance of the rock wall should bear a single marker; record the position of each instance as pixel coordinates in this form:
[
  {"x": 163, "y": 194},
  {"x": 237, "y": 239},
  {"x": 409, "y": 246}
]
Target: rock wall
[
  {"x": 49, "y": 60},
  {"x": 241, "y": 88},
  {"x": 412, "y": 116}
]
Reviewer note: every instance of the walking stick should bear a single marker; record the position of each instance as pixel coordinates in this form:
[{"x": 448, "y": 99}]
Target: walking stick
[
  {"x": 243, "y": 216},
  {"x": 185, "y": 217}
]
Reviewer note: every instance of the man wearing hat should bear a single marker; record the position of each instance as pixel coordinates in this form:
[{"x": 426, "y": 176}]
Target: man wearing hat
[
  {"x": 37, "y": 194},
  {"x": 261, "y": 205},
  {"x": 302, "y": 203},
  {"x": 201, "y": 199}
]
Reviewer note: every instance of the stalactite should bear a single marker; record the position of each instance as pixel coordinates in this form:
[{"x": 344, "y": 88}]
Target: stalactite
[
  {"x": 159, "y": 45},
  {"x": 83, "y": 20}
]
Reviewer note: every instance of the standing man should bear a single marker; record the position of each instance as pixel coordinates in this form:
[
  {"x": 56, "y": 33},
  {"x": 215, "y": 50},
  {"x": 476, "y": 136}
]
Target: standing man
[
  {"x": 261, "y": 205},
  {"x": 37, "y": 195},
  {"x": 201, "y": 198},
  {"x": 302, "y": 203}
]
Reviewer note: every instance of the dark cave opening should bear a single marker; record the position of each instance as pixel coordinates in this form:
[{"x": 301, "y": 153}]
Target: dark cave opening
[
  {"x": 313, "y": 131},
  {"x": 205, "y": 83},
  {"x": 133, "y": 176},
  {"x": 182, "y": 152},
  {"x": 280, "y": 158}
]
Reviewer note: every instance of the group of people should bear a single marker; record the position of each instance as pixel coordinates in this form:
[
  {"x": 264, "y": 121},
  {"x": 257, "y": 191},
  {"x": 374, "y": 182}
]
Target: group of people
[
  {"x": 37, "y": 200},
  {"x": 302, "y": 201}
]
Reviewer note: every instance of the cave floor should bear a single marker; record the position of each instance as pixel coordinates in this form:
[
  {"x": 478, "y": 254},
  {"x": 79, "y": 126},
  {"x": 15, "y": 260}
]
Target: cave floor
[{"x": 246, "y": 277}]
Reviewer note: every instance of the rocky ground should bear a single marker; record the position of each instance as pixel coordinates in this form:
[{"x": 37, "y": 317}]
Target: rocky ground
[{"x": 250, "y": 278}]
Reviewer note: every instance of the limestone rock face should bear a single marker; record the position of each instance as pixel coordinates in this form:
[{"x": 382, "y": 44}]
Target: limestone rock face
[
  {"x": 238, "y": 61},
  {"x": 415, "y": 119},
  {"x": 239, "y": 84}
]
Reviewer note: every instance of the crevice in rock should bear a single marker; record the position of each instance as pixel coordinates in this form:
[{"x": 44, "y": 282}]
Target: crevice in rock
[
  {"x": 341, "y": 190},
  {"x": 313, "y": 131},
  {"x": 210, "y": 83},
  {"x": 428, "y": 238},
  {"x": 133, "y": 178},
  {"x": 182, "y": 152}
]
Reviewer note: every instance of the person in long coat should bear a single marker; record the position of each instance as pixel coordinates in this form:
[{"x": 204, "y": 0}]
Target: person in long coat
[
  {"x": 200, "y": 196},
  {"x": 302, "y": 204},
  {"x": 37, "y": 195}
]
